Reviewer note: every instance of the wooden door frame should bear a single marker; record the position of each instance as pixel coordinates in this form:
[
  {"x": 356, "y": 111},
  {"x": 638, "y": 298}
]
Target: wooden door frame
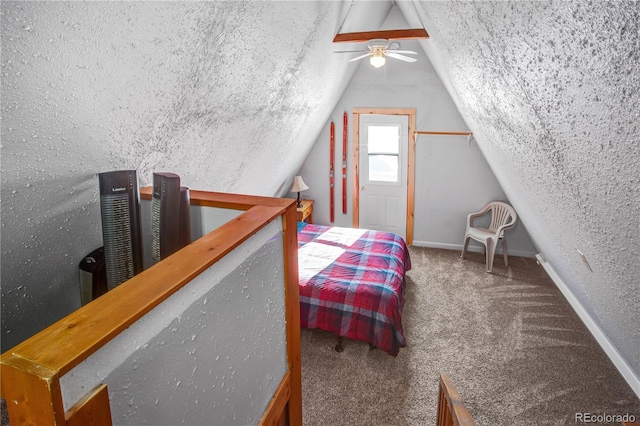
[{"x": 411, "y": 151}]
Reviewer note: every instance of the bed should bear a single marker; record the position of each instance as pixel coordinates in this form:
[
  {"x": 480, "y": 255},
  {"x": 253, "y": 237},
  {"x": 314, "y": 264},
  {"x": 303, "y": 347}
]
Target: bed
[{"x": 352, "y": 283}]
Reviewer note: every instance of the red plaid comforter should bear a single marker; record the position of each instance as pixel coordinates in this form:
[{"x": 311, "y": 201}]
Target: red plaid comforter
[{"x": 352, "y": 283}]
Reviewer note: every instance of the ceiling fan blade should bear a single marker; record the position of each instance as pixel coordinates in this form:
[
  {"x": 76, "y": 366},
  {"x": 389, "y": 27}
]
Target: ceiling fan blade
[
  {"x": 360, "y": 57},
  {"x": 403, "y": 51},
  {"x": 401, "y": 57},
  {"x": 350, "y": 51}
]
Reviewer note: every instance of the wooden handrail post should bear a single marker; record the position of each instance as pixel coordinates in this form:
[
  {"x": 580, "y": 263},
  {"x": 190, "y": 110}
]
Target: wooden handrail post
[
  {"x": 32, "y": 393},
  {"x": 292, "y": 306},
  {"x": 93, "y": 409}
]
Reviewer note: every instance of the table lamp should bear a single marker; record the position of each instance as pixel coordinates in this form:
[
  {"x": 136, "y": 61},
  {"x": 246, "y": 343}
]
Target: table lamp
[{"x": 299, "y": 185}]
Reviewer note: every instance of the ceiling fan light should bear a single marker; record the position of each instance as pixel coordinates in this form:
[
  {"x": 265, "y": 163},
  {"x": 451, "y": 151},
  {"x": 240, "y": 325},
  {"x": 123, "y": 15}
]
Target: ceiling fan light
[{"x": 377, "y": 60}]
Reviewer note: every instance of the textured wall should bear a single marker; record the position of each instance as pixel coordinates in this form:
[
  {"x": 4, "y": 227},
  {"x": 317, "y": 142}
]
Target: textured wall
[
  {"x": 551, "y": 92},
  {"x": 232, "y": 95},
  {"x": 229, "y": 95}
]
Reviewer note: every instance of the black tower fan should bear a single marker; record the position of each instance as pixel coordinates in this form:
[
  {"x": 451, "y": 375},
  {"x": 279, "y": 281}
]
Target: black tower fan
[
  {"x": 170, "y": 216},
  {"x": 121, "y": 231}
]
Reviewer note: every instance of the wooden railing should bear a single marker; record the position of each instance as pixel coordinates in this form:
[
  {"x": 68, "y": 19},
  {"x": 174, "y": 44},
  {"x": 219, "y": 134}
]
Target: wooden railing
[
  {"x": 451, "y": 410},
  {"x": 31, "y": 371}
]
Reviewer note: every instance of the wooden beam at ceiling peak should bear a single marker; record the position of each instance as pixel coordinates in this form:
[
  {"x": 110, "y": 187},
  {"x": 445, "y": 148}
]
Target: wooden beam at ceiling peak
[{"x": 408, "y": 34}]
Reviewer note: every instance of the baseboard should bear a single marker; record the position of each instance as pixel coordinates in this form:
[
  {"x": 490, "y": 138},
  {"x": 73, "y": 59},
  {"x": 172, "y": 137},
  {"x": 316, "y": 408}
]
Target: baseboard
[
  {"x": 632, "y": 379},
  {"x": 476, "y": 249}
]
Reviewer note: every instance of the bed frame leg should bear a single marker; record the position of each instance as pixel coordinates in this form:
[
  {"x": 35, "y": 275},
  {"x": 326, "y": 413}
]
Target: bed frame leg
[
  {"x": 339, "y": 347},
  {"x": 372, "y": 347}
]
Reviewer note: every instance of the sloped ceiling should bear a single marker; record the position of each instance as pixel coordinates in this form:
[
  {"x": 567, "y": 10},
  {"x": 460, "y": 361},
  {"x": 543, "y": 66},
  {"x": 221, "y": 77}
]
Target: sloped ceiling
[
  {"x": 551, "y": 91},
  {"x": 165, "y": 85},
  {"x": 232, "y": 95},
  {"x": 229, "y": 95}
]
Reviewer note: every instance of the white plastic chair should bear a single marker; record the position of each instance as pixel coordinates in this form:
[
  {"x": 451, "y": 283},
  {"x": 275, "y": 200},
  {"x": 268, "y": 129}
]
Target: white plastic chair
[{"x": 503, "y": 216}]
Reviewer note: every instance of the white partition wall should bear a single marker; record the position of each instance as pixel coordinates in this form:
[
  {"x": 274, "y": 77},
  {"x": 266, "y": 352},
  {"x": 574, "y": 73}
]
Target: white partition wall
[
  {"x": 213, "y": 353},
  {"x": 204, "y": 219}
]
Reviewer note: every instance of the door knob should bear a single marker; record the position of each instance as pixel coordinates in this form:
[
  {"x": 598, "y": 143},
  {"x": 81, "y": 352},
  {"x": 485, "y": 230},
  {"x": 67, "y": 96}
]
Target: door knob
[{"x": 362, "y": 187}]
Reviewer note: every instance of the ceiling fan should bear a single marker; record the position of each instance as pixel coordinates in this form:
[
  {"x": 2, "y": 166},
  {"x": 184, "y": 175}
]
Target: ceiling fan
[
  {"x": 379, "y": 50},
  {"x": 379, "y": 45}
]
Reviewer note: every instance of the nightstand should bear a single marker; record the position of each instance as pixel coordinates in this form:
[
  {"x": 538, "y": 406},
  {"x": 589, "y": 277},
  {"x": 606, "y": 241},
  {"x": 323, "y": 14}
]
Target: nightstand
[{"x": 305, "y": 213}]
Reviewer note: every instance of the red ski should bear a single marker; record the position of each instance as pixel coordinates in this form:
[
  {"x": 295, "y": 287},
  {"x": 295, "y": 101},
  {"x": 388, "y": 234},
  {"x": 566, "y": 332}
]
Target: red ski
[
  {"x": 344, "y": 164},
  {"x": 332, "y": 171}
]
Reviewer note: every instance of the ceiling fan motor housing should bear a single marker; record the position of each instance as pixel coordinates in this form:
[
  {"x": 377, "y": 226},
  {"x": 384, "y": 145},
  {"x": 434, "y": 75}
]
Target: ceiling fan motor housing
[{"x": 378, "y": 44}]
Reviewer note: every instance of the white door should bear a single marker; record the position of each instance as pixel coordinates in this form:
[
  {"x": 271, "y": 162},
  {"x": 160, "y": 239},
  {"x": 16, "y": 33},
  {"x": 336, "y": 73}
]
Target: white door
[{"x": 384, "y": 141}]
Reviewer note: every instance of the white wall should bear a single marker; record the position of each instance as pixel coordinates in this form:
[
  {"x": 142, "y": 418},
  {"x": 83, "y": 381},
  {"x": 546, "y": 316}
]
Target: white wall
[
  {"x": 452, "y": 177},
  {"x": 203, "y": 220}
]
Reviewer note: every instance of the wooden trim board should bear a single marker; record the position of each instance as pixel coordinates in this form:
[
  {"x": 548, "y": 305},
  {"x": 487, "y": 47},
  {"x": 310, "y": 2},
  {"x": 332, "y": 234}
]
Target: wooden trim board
[
  {"x": 406, "y": 34},
  {"x": 411, "y": 155}
]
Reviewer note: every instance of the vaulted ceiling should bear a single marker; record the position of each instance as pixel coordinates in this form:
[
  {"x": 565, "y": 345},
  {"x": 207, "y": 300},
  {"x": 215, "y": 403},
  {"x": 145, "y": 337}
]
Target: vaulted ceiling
[
  {"x": 551, "y": 91},
  {"x": 232, "y": 95}
]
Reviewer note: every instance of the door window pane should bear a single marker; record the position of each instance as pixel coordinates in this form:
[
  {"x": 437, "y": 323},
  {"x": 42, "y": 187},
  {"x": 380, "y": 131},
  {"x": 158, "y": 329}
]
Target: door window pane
[
  {"x": 383, "y": 168},
  {"x": 383, "y": 145},
  {"x": 383, "y": 139}
]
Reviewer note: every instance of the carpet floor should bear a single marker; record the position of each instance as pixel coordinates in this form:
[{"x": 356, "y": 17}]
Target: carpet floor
[
  {"x": 517, "y": 352},
  {"x": 515, "y": 349}
]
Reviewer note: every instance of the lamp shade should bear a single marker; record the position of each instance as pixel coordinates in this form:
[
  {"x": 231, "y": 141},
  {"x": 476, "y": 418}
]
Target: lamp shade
[
  {"x": 377, "y": 60},
  {"x": 298, "y": 184}
]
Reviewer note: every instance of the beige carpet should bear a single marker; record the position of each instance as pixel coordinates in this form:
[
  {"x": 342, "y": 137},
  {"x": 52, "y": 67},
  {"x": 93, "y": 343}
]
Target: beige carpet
[
  {"x": 515, "y": 349},
  {"x": 512, "y": 344}
]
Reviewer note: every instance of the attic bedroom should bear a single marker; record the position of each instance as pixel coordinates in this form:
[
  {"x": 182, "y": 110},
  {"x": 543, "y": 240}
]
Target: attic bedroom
[{"x": 530, "y": 103}]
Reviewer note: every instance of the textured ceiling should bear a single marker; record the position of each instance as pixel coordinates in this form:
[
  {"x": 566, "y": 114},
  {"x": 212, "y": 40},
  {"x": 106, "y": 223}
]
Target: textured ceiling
[
  {"x": 161, "y": 84},
  {"x": 232, "y": 95},
  {"x": 229, "y": 95},
  {"x": 551, "y": 91}
]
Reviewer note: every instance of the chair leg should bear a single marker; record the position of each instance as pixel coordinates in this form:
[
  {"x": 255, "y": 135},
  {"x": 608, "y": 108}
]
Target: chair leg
[
  {"x": 464, "y": 246},
  {"x": 491, "y": 251},
  {"x": 504, "y": 252}
]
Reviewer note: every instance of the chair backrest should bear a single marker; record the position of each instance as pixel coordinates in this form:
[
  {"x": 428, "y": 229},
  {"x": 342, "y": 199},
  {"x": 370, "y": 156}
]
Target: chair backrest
[
  {"x": 451, "y": 410},
  {"x": 502, "y": 214}
]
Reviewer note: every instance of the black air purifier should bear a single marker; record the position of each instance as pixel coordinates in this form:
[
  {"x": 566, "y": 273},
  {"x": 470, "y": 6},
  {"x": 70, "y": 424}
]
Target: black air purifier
[
  {"x": 93, "y": 276},
  {"x": 121, "y": 231},
  {"x": 170, "y": 218}
]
